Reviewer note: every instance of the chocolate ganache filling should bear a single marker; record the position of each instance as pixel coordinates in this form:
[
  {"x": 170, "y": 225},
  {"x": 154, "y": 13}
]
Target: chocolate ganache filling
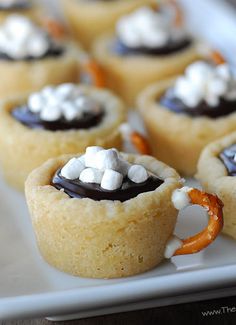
[
  {"x": 128, "y": 190},
  {"x": 228, "y": 158},
  {"x": 53, "y": 51},
  {"x": 174, "y": 104},
  {"x": 33, "y": 120},
  {"x": 171, "y": 47}
]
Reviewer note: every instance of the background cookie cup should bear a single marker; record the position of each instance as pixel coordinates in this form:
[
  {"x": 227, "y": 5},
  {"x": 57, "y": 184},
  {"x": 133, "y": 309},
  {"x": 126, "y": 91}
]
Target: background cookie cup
[
  {"x": 32, "y": 11},
  {"x": 178, "y": 139},
  {"x": 214, "y": 177},
  {"x": 88, "y": 19},
  {"x": 39, "y": 72},
  {"x": 128, "y": 75},
  {"x": 102, "y": 239},
  {"x": 22, "y": 148}
]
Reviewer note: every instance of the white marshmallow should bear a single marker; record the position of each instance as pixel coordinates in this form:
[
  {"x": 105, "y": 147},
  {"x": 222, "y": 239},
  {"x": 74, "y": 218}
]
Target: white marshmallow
[
  {"x": 91, "y": 175},
  {"x": 72, "y": 169},
  {"x": 107, "y": 159},
  {"x": 90, "y": 156},
  {"x": 35, "y": 102},
  {"x": 172, "y": 245},
  {"x": 70, "y": 111},
  {"x": 37, "y": 46},
  {"x": 180, "y": 198},
  {"x": 111, "y": 180},
  {"x": 50, "y": 114},
  {"x": 137, "y": 174},
  {"x": 65, "y": 90}
]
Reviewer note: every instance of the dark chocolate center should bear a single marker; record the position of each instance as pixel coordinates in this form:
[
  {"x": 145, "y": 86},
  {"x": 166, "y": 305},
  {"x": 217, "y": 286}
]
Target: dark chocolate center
[
  {"x": 32, "y": 120},
  {"x": 172, "y": 47},
  {"x": 52, "y": 52},
  {"x": 174, "y": 104},
  {"x": 227, "y": 157},
  {"x": 129, "y": 189}
]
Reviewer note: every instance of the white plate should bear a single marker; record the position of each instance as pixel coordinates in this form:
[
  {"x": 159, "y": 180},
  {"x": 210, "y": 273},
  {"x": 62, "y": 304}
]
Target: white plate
[{"x": 31, "y": 288}]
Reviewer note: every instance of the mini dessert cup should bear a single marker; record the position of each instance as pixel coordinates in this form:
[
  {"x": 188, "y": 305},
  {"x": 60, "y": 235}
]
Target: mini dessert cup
[
  {"x": 110, "y": 239},
  {"x": 23, "y": 148},
  {"x": 178, "y": 138},
  {"x": 131, "y": 61},
  {"x": 89, "y": 19},
  {"x": 214, "y": 176},
  {"x": 28, "y": 66}
]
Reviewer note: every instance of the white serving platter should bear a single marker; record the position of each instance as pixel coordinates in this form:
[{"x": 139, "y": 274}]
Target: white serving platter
[{"x": 29, "y": 287}]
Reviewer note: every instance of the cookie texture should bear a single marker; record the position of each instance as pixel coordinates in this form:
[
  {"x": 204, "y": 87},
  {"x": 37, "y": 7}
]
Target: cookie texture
[
  {"x": 22, "y": 149},
  {"x": 214, "y": 178},
  {"x": 127, "y": 75},
  {"x": 88, "y": 19},
  {"x": 178, "y": 139},
  {"x": 102, "y": 239},
  {"x": 40, "y": 72}
]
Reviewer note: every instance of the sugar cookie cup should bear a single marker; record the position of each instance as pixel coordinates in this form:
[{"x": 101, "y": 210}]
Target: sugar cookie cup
[
  {"x": 129, "y": 74},
  {"x": 108, "y": 239},
  {"x": 178, "y": 139},
  {"x": 23, "y": 148},
  {"x": 214, "y": 177},
  {"x": 88, "y": 19},
  {"x": 38, "y": 73}
]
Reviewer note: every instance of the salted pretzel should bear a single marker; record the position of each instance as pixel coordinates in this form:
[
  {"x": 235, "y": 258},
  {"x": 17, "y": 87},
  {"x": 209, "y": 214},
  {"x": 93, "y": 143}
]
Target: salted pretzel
[
  {"x": 140, "y": 143},
  {"x": 95, "y": 73},
  {"x": 214, "y": 207},
  {"x": 54, "y": 28},
  {"x": 217, "y": 57}
]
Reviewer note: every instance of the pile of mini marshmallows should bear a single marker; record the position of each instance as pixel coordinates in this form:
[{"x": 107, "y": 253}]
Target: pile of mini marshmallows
[
  {"x": 148, "y": 28},
  {"x": 205, "y": 82},
  {"x": 21, "y": 38},
  {"x": 65, "y": 101},
  {"x": 104, "y": 167}
]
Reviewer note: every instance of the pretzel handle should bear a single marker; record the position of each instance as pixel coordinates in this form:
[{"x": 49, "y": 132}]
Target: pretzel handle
[
  {"x": 93, "y": 73},
  {"x": 140, "y": 143},
  {"x": 214, "y": 208}
]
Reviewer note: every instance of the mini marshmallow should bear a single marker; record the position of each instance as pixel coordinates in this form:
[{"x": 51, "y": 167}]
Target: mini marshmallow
[
  {"x": 111, "y": 180},
  {"x": 35, "y": 102},
  {"x": 107, "y": 159},
  {"x": 173, "y": 244},
  {"x": 137, "y": 174},
  {"x": 124, "y": 167},
  {"x": 70, "y": 112},
  {"x": 91, "y": 175},
  {"x": 72, "y": 169},
  {"x": 90, "y": 154},
  {"x": 50, "y": 114},
  {"x": 180, "y": 198}
]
